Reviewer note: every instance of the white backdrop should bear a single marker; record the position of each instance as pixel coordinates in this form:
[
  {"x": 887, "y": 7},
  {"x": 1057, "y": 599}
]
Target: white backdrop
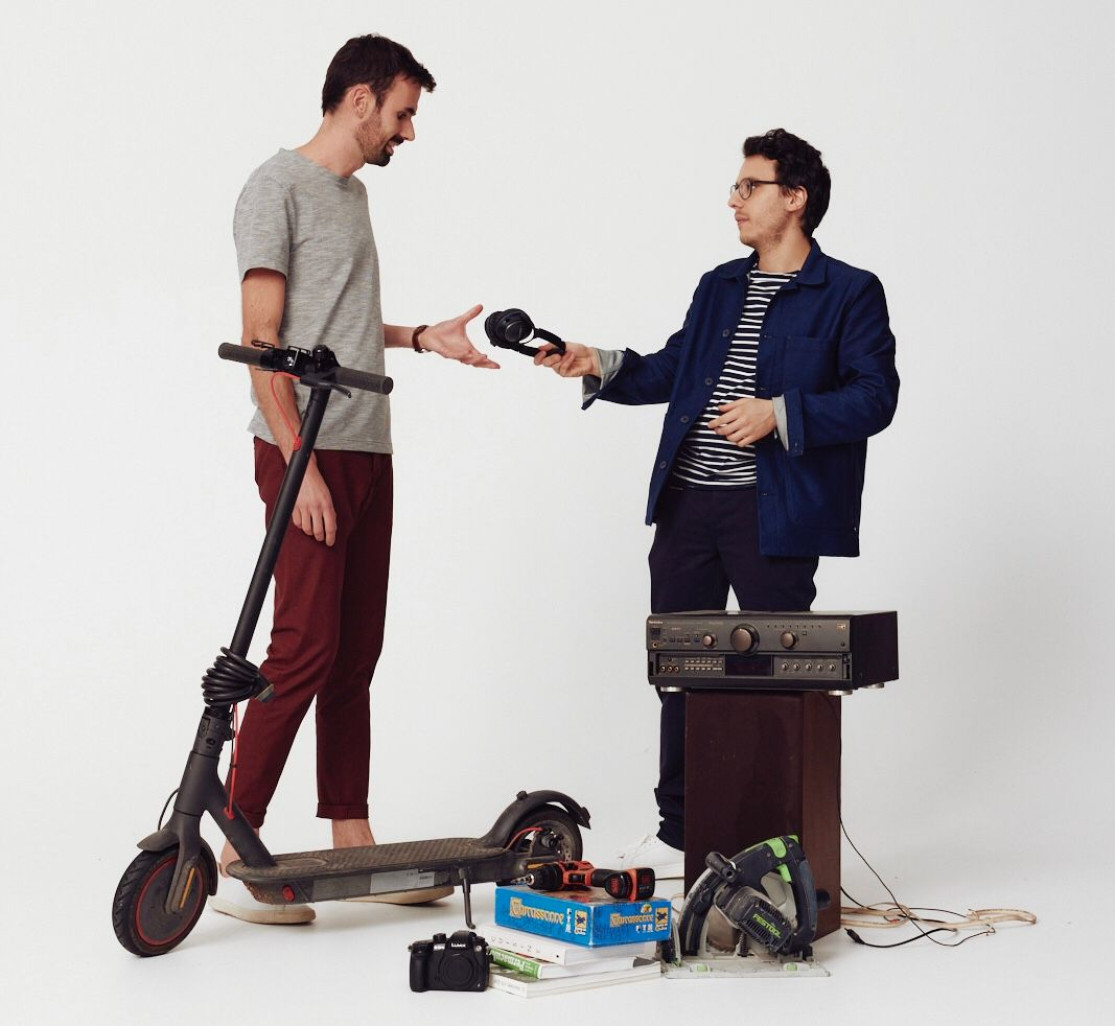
[{"x": 574, "y": 161}]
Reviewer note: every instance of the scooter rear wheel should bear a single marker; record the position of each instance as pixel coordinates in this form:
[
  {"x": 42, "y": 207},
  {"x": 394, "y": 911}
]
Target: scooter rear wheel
[
  {"x": 547, "y": 831},
  {"x": 139, "y": 915}
]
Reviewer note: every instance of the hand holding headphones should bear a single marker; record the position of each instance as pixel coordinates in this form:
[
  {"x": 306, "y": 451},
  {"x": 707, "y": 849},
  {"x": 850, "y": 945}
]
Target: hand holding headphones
[{"x": 507, "y": 329}]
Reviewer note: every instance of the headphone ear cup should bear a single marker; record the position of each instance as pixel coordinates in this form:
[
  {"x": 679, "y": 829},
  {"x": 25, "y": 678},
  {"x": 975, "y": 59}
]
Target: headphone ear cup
[
  {"x": 492, "y": 326},
  {"x": 514, "y": 325}
]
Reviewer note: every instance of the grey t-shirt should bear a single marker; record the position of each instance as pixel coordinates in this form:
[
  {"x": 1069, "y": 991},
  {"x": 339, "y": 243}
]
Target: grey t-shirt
[{"x": 296, "y": 217}]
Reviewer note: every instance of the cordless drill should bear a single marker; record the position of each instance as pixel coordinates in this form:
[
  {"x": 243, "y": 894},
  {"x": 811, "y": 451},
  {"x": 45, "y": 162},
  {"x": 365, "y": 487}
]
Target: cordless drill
[{"x": 633, "y": 884}]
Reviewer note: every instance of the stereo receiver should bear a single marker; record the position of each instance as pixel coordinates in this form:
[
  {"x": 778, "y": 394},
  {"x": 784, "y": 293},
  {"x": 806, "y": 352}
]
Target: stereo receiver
[{"x": 725, "y": 650}]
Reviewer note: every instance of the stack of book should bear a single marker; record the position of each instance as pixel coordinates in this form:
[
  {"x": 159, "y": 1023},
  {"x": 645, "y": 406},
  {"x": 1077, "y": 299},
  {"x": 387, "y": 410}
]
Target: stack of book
[
  {"x": 544, "y": 943},
  {"x": 527, "y": 965}
]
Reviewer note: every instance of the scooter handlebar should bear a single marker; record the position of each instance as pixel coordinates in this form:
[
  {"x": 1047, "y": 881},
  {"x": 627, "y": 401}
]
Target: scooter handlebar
[
  {"x": 363, "y": 380},
  {"x": 240, "y": 354},
  {"x": 274, "y": 359}
]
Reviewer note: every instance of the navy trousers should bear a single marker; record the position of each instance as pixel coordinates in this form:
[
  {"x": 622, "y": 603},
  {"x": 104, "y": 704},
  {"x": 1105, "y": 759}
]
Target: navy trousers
[{"x": 707, "y": 540}]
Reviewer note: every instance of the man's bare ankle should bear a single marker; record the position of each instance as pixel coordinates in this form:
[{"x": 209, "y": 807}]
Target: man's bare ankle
[
  {"x": 229, "y": 855},
  {"x": 352, "y": 833}
]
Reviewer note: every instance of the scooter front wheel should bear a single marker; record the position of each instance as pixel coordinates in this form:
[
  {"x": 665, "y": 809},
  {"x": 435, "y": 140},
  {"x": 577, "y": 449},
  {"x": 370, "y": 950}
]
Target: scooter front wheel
[{"x": 139, "y": 914}]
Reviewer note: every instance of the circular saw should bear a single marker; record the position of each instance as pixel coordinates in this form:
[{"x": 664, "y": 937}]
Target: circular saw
[{"x": 763, "y": 896}]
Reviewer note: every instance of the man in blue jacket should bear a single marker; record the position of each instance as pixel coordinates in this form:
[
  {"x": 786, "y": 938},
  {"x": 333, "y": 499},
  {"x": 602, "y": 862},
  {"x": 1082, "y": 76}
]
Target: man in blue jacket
[{"x": 782, "y": 370}]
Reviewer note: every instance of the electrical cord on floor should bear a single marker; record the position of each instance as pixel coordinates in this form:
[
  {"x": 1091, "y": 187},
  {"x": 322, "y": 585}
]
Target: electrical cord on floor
[
  {"x": 882, "y": 916},
  {"x": 925, "y": 934}
]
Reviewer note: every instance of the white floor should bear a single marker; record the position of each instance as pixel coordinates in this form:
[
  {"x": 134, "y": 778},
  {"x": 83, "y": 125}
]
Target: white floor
[
  {"x": 61, "y": 962},
  {"x": 576, "y": 160}
]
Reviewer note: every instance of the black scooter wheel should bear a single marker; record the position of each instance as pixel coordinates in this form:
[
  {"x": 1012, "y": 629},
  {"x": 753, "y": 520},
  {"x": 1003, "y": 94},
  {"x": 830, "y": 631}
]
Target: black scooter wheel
[
  {"x": 139, "y": 915},
  {"x": 547, "y": 831}
]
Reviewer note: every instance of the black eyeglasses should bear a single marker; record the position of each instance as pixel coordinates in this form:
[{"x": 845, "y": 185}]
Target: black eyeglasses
[{"x": 745, "y": 186}]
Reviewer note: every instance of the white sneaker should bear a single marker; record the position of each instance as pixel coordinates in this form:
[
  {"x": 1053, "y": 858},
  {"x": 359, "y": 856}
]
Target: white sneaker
[
  {"x": 650, "y": 851},
  {"x": 234, "y": 899}
]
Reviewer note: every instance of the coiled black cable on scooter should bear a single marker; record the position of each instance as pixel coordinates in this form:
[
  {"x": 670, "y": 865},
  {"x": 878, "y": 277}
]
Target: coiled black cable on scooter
[{"x": 233, "y": 679}]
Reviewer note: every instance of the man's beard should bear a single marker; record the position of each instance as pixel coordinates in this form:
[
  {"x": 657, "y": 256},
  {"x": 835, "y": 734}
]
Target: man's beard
[{"x": 382, "y": 156}]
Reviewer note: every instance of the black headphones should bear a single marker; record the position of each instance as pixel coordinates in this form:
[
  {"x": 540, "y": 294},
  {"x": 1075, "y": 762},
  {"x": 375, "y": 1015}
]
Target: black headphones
[{"x": 507, "y": 329}]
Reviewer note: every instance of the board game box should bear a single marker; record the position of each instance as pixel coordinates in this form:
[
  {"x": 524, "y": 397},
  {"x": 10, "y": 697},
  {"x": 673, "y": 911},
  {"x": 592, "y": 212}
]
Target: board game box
[{"x": 582, "y": 917}]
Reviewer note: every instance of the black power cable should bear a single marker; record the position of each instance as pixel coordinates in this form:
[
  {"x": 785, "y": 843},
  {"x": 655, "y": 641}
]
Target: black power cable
[
  {"x": 923, "y": 934},
  {"x": 233, "y": 679}
]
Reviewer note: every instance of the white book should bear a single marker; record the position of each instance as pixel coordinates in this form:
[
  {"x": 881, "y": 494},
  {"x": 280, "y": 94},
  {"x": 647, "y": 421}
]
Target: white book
[
  {"x": 540, "y": 969},
  {"x": 511, "y": 982},
  {"x": 562, "y": 952}
]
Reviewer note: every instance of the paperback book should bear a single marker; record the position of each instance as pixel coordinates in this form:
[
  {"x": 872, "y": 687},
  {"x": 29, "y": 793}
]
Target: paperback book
[
  {"x": 512, "y": 982},
  {"x": 551, "y": 949},
  {"x": 540, "y": 969}
]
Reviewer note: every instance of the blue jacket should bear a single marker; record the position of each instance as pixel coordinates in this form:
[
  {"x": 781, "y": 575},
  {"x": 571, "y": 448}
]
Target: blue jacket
[{"x": 827, "y": 349}]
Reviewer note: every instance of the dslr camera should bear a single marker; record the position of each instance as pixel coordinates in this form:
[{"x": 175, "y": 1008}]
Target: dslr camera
[{"x": 459, "y": 962}]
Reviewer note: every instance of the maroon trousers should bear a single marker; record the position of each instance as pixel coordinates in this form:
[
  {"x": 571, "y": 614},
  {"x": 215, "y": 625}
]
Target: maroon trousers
[{"x": 330, "y": 603}]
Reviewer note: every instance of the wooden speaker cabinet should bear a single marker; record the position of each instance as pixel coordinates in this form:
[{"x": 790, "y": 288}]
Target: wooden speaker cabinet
[{"x": 759, "y": 764}]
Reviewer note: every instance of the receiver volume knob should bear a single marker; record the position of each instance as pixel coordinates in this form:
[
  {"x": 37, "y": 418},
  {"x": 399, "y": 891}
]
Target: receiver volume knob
[
  {"x": 744, "y": 638},
  {"x": 789, "y": 639}
]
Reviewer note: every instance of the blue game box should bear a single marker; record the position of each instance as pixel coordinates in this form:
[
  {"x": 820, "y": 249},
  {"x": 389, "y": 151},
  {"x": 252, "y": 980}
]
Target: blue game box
[{"x": 583, "y": 917}]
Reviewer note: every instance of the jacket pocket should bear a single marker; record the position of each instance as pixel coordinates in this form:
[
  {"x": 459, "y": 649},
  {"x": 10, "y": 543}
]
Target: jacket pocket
[
  {"x": 819, "y": 488},
  {"x": 810, "y": 363}
]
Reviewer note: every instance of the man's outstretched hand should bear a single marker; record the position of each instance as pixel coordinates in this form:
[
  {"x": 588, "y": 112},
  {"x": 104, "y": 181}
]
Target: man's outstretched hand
[{"x": 449, "y": 339}]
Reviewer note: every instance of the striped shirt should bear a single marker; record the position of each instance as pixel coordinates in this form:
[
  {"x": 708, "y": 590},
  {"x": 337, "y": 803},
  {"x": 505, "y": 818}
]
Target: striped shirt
[{"x": 705, "y": 458}]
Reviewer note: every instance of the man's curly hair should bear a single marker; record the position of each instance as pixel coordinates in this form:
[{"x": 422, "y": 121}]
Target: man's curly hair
[{"x": 799, "y": 167}]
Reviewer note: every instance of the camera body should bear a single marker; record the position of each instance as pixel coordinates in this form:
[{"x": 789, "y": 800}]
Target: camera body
[{"x": 459, "y": 962}]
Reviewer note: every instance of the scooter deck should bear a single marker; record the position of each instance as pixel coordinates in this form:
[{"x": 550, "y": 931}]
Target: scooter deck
[
  {"x": 333, "y": 873},
  {"x": 446, "y": 851}
]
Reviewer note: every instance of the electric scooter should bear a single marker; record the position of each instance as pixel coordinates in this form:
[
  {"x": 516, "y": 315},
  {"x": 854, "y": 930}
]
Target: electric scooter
[{"x": 163, "y": 892}]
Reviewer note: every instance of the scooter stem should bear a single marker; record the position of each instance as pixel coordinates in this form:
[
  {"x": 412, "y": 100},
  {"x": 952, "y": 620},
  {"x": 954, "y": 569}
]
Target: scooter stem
[
  {"x": 280, "y": 520},
  {"x": 201, "y": 789}
]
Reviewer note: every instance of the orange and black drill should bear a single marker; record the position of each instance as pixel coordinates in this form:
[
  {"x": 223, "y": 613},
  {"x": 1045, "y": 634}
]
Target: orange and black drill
[{"x": 622, "y": 884}]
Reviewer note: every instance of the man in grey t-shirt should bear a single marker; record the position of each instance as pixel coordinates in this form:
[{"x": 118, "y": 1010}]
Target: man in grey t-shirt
[{"x": 310, "y": 275}]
